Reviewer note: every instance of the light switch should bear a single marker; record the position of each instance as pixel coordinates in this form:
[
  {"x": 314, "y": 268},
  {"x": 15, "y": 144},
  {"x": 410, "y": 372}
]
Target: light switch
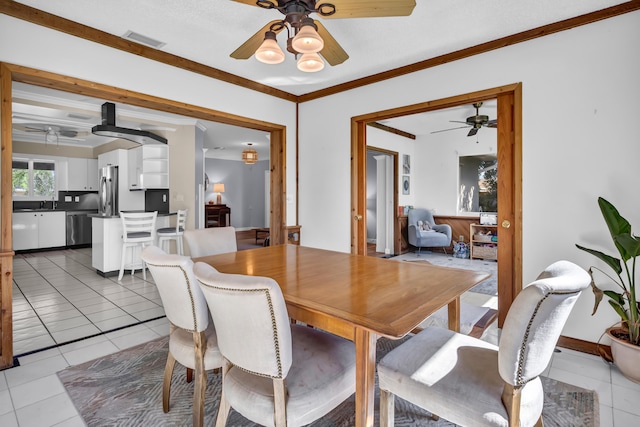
[
  {"x": 164, "y": 198},
  {"x": 77, "y": 199}
]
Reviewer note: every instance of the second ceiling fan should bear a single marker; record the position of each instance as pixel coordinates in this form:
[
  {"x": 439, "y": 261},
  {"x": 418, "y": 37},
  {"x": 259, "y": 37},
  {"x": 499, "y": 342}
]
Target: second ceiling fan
[
  {"x": 476, "y": 122},
  {"x": 307, "y": 37}
]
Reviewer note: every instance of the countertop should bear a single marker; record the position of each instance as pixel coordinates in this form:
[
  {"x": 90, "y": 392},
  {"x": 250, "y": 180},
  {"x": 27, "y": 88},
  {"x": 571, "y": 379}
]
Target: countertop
[
  {"x": 90, "y": 211},
  {"x": 97, "y": 215}
]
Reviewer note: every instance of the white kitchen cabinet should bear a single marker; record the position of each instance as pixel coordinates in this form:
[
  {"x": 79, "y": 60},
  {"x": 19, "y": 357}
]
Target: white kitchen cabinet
[
  {"x": 149, "y": 167},
  {"x": 82, "y": 174},
  {"x": 35, "y": 230},
  {"x": 110, "y": 158}
]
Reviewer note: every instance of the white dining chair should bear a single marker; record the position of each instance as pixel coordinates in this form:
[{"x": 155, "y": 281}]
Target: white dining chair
[
  {"x": 211, "y": 241},
  {"x": 137, "y": 232},
  {"x": 273, "y": 373},
  {"x": 470, "y": 382},
  {"x": 167, "y": 234},
  {"x": 192, "y": 338}
]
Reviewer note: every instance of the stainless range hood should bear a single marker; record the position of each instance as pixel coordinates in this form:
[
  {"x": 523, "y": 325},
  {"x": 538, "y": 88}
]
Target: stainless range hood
[{"x": 109, "y": 128}]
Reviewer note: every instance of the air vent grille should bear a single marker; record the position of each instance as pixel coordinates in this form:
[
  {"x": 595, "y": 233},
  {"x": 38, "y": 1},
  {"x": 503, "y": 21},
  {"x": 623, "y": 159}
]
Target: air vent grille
[{"x": 140, "y": 38}]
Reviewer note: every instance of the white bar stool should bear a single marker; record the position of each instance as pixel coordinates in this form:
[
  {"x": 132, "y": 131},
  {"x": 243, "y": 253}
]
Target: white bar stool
[
  {"x": 137, "y": 230},
  {"x": 165, "y": 235}
]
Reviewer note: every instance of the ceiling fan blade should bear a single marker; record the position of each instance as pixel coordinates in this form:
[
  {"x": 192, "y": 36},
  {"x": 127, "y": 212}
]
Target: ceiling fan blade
[
  {"x": 492, "y": 123},
  {"x": 457, "y": 121},
  {"x": 248, "y": 48},
  {"x": 446, "y": 130},
  {"x": 369, "y": 8},
  {"x": 332, "y": 51},
  {"x": 472, "y": 131}
]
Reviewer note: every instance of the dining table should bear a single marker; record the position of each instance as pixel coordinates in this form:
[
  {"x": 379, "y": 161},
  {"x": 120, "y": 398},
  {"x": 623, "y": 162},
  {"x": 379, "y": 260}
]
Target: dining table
[{"x": 360, "y": 298}]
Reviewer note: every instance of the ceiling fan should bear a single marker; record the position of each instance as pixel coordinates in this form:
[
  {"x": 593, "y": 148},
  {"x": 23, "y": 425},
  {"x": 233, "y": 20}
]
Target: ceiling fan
[
  {"x": 65, "y": 132},
  {"x": 476, "y": 122},
  {"x": 307, "y": 37}
]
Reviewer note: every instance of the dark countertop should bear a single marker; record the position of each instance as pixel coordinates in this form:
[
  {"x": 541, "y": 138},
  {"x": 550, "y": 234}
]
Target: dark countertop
[
  {"x": 97, "y": 215},
  {"x": 93, "y": 211}
]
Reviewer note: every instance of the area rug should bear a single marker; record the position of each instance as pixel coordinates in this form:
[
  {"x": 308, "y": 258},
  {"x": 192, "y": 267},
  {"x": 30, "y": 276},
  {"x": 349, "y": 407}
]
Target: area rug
[
  {"x": 125, "y": 389},
  {"x": 487, "y": 287}
]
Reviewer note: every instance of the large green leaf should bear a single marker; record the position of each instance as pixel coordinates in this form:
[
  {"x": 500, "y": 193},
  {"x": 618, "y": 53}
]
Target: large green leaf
[
  {"x": 612, "y": 262},
  {"x": 630, "y": 243},
  {"x": 620, "y": 310},
  {"x": 616, "y": 223}
]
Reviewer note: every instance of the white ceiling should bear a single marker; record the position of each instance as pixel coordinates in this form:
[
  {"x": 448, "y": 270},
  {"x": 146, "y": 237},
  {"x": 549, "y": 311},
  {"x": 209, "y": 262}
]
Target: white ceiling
[{"x": 207, "y": 31}]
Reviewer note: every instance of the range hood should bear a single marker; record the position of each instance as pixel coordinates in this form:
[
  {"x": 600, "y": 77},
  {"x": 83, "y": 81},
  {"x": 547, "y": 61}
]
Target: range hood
[{"x": 109, "y": 128}]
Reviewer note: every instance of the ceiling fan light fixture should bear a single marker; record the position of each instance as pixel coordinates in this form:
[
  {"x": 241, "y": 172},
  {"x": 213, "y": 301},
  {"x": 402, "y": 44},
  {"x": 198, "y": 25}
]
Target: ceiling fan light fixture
[
  {"x": 310, "y": 63},
  {"x": 51, "y": 137},
  {"x": 307, "y": 40},
  {"x": 269, "y": 52}
]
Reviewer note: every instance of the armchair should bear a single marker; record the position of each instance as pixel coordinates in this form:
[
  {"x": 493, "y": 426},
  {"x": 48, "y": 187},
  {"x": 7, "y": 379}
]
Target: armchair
[{"x": 432, "y": 235}]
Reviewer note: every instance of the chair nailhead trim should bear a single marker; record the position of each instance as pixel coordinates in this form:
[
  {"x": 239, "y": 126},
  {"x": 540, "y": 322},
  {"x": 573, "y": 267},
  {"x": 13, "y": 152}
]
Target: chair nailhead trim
[
  {"x": 520, "y": 382},
  {"x": 186, "y": 279},
  {"x": 274, "y": 329}
]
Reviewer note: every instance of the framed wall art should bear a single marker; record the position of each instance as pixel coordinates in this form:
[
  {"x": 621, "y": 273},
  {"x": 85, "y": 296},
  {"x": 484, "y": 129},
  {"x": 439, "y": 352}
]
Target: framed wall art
[{"x": 406, "y": 185}]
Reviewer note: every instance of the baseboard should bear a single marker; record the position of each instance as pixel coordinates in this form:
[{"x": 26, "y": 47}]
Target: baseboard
[{"x": 583, "y": 346}]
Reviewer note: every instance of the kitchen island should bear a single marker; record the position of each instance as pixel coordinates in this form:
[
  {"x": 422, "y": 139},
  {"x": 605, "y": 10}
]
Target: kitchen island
[{"x": 107, "y": 242}]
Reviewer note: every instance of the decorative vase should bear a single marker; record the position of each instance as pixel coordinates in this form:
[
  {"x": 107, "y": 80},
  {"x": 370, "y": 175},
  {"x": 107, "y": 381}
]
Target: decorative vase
[{"x": 626, "y": 356}]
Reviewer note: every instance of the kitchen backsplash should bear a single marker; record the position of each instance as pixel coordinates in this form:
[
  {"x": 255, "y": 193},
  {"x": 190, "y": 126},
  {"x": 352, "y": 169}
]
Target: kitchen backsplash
[{"x": 67, "y": 201}]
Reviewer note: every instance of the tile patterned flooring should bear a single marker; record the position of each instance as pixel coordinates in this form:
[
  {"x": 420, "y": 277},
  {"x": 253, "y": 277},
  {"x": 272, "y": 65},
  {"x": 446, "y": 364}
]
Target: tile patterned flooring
[{"x": 58, "y": 298}]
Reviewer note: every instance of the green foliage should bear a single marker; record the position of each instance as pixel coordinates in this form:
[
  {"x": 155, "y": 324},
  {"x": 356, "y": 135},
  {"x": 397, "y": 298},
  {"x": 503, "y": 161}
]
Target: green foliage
[{"x": 624, "y": 301}]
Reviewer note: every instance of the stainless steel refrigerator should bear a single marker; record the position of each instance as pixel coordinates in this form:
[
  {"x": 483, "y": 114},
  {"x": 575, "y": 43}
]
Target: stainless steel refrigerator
[{"x": 108, "y": 191}]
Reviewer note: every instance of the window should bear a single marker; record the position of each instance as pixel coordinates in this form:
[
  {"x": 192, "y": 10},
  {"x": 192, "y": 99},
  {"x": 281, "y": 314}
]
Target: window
[
  {"x": 478, "y": 191},
  {"x": 33, "y": 179}
]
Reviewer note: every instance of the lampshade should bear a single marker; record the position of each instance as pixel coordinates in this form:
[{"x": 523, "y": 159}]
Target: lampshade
[
  {"x": 249, "y": 156},
  {"x": 310, "y": 63},
  {"x": 269, "y": 52},
  {"x": 307, "y": 40},
  {"x": 218, "y": 187}
]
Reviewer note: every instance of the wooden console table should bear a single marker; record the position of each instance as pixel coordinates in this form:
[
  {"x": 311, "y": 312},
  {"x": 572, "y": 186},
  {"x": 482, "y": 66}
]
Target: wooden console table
[
  {"x": 293, "y": 233},
  {"x": 217, "y": 215}
]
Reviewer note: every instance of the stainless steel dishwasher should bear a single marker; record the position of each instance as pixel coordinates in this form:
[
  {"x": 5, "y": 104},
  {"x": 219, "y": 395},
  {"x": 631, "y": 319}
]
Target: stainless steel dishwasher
[{"x": 78, "y": 228}]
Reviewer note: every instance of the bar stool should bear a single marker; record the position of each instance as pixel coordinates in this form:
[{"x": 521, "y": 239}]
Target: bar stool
[
  {"x": 137, "y": 230},
  {"x": 165, "y": 235}
]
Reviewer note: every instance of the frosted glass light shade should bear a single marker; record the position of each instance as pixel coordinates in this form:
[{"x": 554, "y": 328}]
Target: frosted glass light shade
[
  {"x": 307, "y": 40},
  {"x": 269, "y": 51},
  {"x": 310, "y": 63}
]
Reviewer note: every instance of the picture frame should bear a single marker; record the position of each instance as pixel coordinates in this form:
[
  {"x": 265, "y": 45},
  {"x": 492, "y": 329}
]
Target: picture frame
[
  {"x": 406, "y": 185},
  {"x": 406, "y": 164}
]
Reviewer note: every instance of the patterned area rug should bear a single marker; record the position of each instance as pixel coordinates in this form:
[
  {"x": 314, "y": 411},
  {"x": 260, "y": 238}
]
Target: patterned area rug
[
  {"x": 487, "y": 287},
  {"x": 125, "y": 388}
]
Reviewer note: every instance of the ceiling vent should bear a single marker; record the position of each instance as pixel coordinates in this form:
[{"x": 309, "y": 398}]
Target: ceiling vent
[{"x": 140, "y": 38}]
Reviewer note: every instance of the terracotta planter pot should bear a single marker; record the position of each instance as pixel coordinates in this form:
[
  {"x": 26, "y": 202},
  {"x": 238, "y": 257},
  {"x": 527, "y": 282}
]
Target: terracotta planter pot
[{"x": 626, "y": 356}]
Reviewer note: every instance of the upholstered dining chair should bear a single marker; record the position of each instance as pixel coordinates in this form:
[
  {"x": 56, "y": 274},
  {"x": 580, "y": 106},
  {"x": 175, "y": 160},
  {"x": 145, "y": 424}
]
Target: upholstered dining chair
[
  {"x": 192, "y": 337},
  {"x": 474, "y": 383},
  {"x": 167, "y": 234},
  {"x": 211, "y": 241},
  {"x": 274, "y": 373},
  {"x": 137, "y": 231}
]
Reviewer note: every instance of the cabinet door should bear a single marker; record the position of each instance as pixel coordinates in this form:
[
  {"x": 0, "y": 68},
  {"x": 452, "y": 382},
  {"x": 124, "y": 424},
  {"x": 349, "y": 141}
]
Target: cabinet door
[
  {"x": 135, "y": 168},
  {"x": 25, "y": 231},
  {"x": 109, "y": 158},
  {"x": 77, "y": 174},
  {"x": 92, "y": 174},
  {"x": 51, "y": 229}
]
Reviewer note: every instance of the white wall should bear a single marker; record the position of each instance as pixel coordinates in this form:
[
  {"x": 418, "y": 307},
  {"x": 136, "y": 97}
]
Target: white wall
[
  {"x": 41, "y": 48},
  {"x": 580, "y": 101}
]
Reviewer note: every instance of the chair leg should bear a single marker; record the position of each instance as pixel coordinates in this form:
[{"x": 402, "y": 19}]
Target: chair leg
[
  {"x": 280, "y": 402},
  {"x": 180, "y": 248},
  {"x": 387, "y": 409},
  {"x": 200, "y": 343},
  {"x": 224, "y": 407},
  {"x": 511, "y": 399},
  {"x": 124, "y": 256},
  {"x": 166, "y": 384},
  {"x": 189, "y": 375}
]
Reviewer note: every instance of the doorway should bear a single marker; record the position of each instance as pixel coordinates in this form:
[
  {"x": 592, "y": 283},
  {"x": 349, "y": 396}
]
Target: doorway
[
  {"x": 12, "y": 73},
  {"x": 382, "y": 196},
  {"x": 509, "y": 152}
]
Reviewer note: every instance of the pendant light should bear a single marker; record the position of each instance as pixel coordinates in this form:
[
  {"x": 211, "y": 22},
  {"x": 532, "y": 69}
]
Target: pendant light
[
  {"x": 249, "y": 156},
  {"x": 310, "y": 63}
]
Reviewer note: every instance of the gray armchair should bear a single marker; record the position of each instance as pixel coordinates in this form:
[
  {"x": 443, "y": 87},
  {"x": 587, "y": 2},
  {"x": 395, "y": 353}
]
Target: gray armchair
[{"x": 433, "y": 236}]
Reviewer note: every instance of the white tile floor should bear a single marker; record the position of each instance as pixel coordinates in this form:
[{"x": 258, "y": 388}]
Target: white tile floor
[{"x": 32, "y": 395}]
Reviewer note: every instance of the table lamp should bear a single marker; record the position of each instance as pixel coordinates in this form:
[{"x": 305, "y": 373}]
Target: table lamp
[{"x": 218, "y": 188}]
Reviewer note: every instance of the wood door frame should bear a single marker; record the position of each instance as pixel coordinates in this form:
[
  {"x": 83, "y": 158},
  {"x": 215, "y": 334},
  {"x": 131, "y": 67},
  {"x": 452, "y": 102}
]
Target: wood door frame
[
  {"x": 10, "y": 73},
  {"x": 509, "y": 180}
]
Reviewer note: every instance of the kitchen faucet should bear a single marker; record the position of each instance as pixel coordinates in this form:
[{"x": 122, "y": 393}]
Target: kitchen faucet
[{"x": 53, "y": 202}]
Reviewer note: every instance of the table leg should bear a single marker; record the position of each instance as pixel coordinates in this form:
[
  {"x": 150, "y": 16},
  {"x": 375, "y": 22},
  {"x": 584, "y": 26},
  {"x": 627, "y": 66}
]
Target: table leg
[
  {"x": 365, "y": 343},
  {"x": 454, "y": 314}
]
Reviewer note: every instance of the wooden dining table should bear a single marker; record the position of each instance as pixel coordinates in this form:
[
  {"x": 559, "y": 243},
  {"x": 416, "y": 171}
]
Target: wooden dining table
[{"x": 356, "y": 297}]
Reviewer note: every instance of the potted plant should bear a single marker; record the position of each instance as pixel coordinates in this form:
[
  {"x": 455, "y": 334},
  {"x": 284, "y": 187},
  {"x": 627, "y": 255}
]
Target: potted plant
[{"x": 625, "y": 338}]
